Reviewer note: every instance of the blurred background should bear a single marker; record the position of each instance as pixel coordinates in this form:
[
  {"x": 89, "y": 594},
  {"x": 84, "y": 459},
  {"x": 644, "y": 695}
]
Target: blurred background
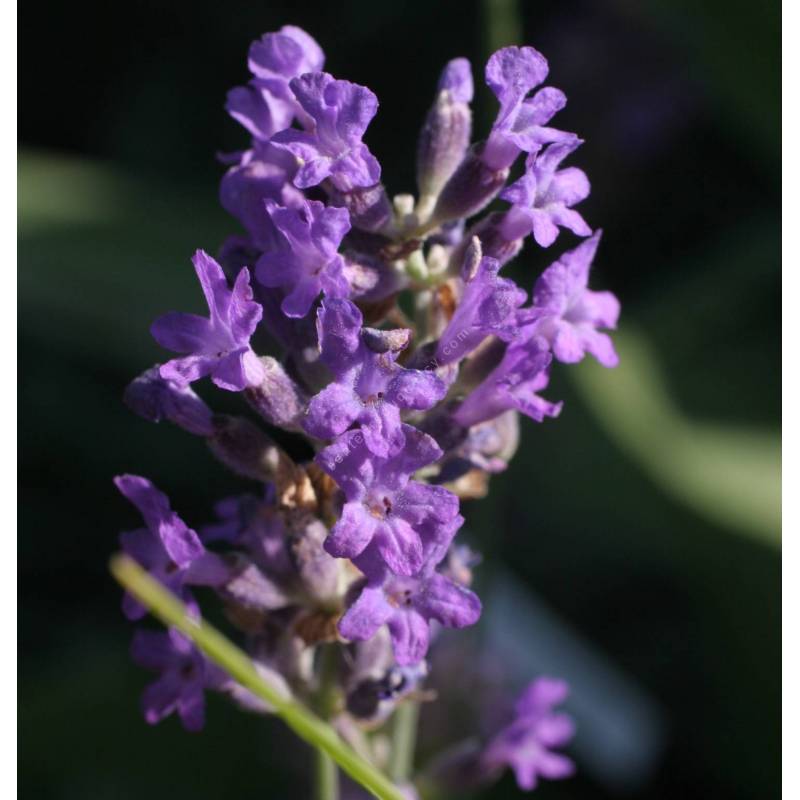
[{"x": 632, "y": 546}]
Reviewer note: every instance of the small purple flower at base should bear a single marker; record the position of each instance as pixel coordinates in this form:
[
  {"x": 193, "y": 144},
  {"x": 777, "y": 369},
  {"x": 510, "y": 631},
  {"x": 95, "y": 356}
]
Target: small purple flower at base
[
  {"x": 513, "y": 384},
  {"x": 526, "y": 744},
  {"x": 370, "y": 387},
  {"x": 406, "y": 605},
  {"x": 185, "y": 674},
  {"x": 305, "y": 261},
  {"x": 388, "y": 520},
  {"x": 546, "y": 194},
  {"x": 220, "y": 345},
  {"x": 168, "y": 549},
  {"x": 570, "y": 313},
  {"x": 341, "y": 112},
  {"x": 487, "y": 308},
  {"x": 154, "y": 398},
  {"x": 511, "y": 73}
]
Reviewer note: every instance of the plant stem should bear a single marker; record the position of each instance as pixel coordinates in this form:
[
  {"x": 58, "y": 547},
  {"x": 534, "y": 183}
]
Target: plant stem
[
  {"x": 307, "y": 725},
  {"x": 404, "y": 738},
  {"x": 503, "y": 23},
  {"x": 326, "y": 777}
]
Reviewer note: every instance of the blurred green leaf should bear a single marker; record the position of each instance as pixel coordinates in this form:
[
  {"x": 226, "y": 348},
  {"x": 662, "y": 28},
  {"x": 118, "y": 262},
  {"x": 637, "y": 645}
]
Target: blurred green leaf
[{"x": 729, "y": 474}]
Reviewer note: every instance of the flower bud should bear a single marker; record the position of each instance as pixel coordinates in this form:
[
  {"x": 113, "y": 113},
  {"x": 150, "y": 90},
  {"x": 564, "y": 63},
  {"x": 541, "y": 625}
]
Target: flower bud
[
  {"x": 371, "y": 280},
  {"x": 278, "y": 399},
  {"x": 369, "y": 207},
  {"x": 444, "y": 137},
  {"x": 246, "y": 449},
  {"x": 155, "y": 398},
  {"x": 501, "y": 235},
  {"x": 320, "y": 574},
  {"x": 248, "y": 587},
  {"x": 472, "y": 186}
]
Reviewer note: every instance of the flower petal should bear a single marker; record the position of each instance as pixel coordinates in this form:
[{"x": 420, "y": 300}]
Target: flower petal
[{"x": 362, "y": 620}]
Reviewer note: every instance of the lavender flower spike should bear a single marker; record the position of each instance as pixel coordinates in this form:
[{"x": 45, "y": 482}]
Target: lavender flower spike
[
  {"x": 571, "y": 313},
  {"x": 218, "y": 346},
  {"x": 370, "y": 387},
  {"x": 341, "y": 112},
  {"x": 402, "y": 361},
  {"x": 185, "y": 675},
  {"x": 511, "y": 73},
  {"x": 526, "y": 743},
  {"x": 386, "y": 515},
  {"x": 546, "y": 194},
  {"x": 305, "y": 261}
]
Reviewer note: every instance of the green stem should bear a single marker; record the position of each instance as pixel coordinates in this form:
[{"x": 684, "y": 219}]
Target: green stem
[
  {"x": 307, "y": 725},
  {"x": 404, "y": 739},
  {"x": 326, "y": 777},
  {"x": 503, "y": 23}
]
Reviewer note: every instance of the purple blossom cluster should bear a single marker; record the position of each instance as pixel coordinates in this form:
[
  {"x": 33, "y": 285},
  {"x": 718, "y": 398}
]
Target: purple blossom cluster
[{"x": 399, "y": 353}]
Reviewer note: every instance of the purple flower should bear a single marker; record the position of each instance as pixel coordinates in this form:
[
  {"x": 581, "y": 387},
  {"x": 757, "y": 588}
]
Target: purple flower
[
  {"x": 487, "y": 449},
  {"x": 370, "y": 387},
  {"x": 571, "y": 313},
  {"x": 256, "y": 527},
  {"x": 341, "y": 112},
  {"x": 487, "y": 308},
  {"x": 276, "y": 58},
  {"x": 154, "y": 398},
  {"x": 185, "y": 675},
  {"x": 386, "y": 515},
  {"x": 305, "y": 261},
  {"x": 220, "y": 345},
  {"x": 406, "y": 605},
  {"x": 266, "y": 105},
  {"x": 262, "y": 174},
  {"x": 526, "y": 743},
  {"x": 511, "y": 73},
  {"x": 259, "y": 111},
  {"x": 168, "y": 549},
  {"x": 546, "y": 194},
  {"x": 514, "y": 383}
]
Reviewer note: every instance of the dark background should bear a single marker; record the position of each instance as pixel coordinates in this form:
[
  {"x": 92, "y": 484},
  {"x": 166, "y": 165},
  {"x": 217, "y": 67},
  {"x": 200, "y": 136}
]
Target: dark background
[{"x": 646, "y": 516}]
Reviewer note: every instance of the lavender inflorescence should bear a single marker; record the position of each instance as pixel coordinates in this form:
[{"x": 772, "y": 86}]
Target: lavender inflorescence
[{"x": 404, "y": 360}]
